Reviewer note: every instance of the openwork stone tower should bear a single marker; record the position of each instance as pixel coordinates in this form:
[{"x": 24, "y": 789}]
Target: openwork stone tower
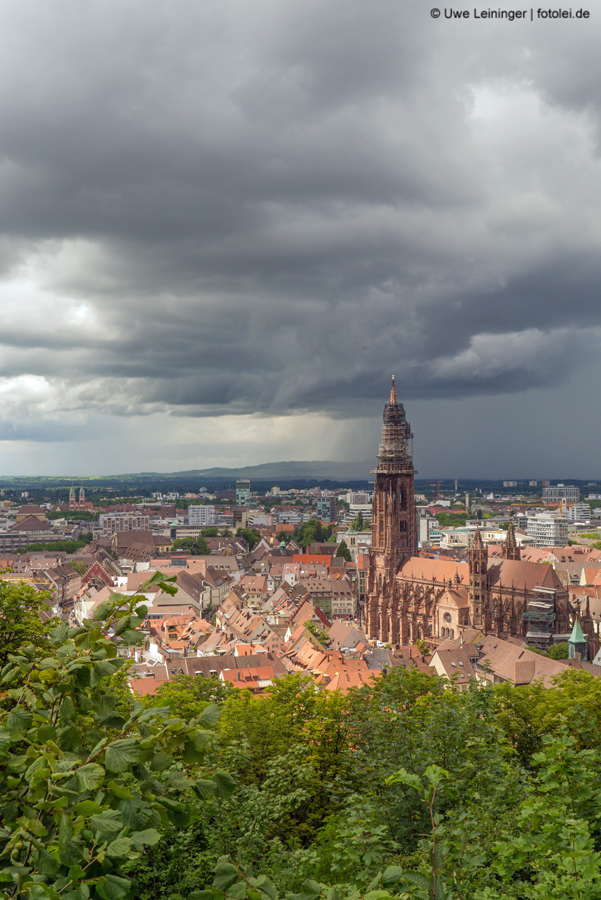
[{"x": 393, "y": 523}]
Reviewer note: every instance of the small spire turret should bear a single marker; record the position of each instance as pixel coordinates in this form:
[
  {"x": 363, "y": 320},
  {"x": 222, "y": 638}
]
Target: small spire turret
[
  {"x": 511, "y": 549},
  {"x": 577, "y": 641}
]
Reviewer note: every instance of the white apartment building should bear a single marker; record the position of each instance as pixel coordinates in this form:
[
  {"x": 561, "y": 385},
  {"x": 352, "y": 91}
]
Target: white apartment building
[
  {"x": 363, "y": 508},
  {"x": 259, "y": 519},
  {"x": 547, "y": 530},
  {"x": 201, "y": 515},
  {"x": 362, "y": 498},
  {"x": 426, "y": 524},
  {"x": 291, "y": 517},
  {"x": 579, "y": 512}
]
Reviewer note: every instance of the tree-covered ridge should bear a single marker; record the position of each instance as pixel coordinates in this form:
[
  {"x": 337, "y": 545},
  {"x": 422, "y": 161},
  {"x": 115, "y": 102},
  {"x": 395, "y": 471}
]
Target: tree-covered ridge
[
  {"x": 405, "y": 788},
  {"x": 402, "y": 788}
]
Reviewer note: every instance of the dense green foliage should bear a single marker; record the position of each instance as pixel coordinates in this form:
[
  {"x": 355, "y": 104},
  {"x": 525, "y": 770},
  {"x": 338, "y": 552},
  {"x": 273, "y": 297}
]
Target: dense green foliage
[
  {"x": 76, "y": 515},
  {"x": 196, "y": 546},
  {"x": 88, "y": 776},
  {"x": 322, "y": 634},
  {"x": 343, "y": 551},
  {"x": 252, "y": 536},
  {"x": 67, "y": 546},
  {"x": 451, "y": 520},
  {"x": 559, "y": 651},
  {"x": 404, "y": 788},
  {"x": 20, "y": 622},
  {"x": 358, "y": 523},
  {"x": 312, "y": 532}
]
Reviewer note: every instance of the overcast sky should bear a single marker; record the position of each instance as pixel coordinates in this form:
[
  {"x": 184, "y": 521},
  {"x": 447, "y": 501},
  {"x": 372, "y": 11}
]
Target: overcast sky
[{"x": 225, "y": 223}]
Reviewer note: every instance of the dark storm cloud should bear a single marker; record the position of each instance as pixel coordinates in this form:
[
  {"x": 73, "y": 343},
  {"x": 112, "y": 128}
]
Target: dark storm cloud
[{"x": 269, "y": 207}]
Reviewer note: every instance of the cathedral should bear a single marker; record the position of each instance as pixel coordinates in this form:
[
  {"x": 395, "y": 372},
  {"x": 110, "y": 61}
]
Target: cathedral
[{"x": 411, "y": 597}]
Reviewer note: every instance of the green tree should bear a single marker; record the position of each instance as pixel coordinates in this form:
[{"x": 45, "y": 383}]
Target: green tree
[
  {"x": 311, "y": 532},
  {"x": 289, "y": 753},
  {"x": 196, "y": 546},
  {"x": 358, "y": 523},
  {"x": 451, "y": 520},
  {"x": 20, "y": 618},
  {"x": 529, "y": 713},
  {"x": 559, "y": 651},
  {"x": 187, "y": 695},
  {"x": 77, "y": 515},
  {"x": 83, "y": 790},
  {"x": 343, "y": 551},
  {"x": 68, "y": 546},
  {"x": 252, "y": 536},
  {"x": 321, "y": 634}
]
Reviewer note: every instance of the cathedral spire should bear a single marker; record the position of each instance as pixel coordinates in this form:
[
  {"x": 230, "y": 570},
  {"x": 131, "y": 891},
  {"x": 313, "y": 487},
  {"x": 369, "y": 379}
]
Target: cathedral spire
[
  {"x": 510, "y": 547},
  {"x": 477, "y": 544},
  {"x": 393, "y": 400},
  {"x": 396, "y": 450},
  {"x": 393, "y": 523}
]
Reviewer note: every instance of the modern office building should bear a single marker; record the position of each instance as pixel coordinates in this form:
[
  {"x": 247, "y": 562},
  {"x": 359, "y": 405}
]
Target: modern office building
[
  {"x": 242, "y": 492},
  {"x": 326, "y": 509},
  {"x": 555, "y": 493},
  {"x": 110, "y": 523},
  {"x": 201, "y": 515}
]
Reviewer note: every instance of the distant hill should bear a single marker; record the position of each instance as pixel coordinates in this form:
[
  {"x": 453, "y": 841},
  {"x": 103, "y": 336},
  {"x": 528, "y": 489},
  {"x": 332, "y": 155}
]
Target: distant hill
[
  {"x": 338, "y": 471},
  {"x": 316, "y": 471}
]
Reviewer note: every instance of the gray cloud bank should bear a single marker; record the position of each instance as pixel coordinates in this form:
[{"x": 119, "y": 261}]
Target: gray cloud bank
[{"x": 213, "y": 208}]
